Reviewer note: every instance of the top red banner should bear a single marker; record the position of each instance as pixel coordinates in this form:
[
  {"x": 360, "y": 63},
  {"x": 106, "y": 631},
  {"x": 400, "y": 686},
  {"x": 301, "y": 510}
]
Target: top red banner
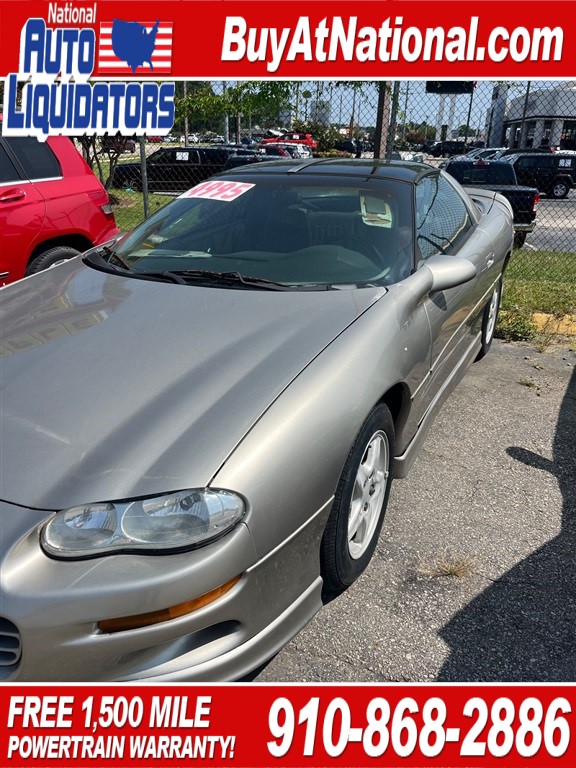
[{"x": 211, "y": 39}]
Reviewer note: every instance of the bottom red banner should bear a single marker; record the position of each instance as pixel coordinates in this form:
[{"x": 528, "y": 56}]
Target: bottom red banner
[{"x": 296, "y": 725}]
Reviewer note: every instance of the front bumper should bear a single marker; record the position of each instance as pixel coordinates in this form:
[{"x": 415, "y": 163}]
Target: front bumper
[{"x": 55, "y": 607}]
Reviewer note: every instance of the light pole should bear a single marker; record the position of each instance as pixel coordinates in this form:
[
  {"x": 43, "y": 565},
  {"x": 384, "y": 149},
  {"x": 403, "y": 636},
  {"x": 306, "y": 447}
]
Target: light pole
[{"x": 405, "y": 112}]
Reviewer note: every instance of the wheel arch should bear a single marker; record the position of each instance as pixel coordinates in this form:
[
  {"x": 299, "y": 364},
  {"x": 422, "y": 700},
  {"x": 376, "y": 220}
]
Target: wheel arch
[
  {"x": 397, "y": 399},
  {"x": 79, "y": 242}
]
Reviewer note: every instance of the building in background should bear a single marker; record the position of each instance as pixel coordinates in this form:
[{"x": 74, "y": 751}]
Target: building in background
[
  {"x": 321, "y": 111},
  {"x": 495, "y": 129},
  {"x": 544, "y": 117}
]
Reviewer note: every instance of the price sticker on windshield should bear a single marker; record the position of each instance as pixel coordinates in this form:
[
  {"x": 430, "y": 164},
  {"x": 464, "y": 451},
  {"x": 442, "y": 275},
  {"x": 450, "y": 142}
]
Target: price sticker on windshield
[{"x": 226, "y": 191}]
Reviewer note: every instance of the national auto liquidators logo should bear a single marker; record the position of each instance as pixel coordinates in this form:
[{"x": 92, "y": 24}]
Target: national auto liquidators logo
[{"x": 58, "y": 55}]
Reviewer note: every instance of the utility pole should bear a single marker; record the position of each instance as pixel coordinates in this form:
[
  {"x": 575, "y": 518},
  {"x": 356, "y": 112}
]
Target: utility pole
[
  {"x": 382, "y": 120},
  {"x": 185, "y": 84},
  {"x": 405, "y": 111},
  {"x": 522, "y": 140},
  {"x": 393, "y": 119},
  {"x": 468, "y": 118},
  {"x": 351, "y": 127},
  {"x": 226, "y": 120}
]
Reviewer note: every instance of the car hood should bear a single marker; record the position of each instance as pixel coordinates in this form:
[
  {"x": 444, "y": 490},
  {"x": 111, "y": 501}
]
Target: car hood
[{"x": 114, "y": 388}]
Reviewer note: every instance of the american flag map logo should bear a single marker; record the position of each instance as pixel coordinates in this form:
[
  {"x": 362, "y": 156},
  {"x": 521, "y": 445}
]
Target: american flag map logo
[{"x": 135, "y": 48}]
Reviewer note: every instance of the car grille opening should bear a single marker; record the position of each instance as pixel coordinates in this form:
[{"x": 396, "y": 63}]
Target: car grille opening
[{"x": 10, "y": 647}]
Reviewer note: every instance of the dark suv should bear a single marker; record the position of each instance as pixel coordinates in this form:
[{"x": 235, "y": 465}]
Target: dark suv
[
  {"x": 448, "y": 148},
  {"x": 176, "y": 169},
  {"x": 554, "y": 173}
]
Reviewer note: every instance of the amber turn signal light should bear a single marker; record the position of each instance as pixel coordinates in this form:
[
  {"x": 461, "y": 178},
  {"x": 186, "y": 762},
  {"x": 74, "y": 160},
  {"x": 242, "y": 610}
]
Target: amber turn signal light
[{"x": 165, "y": 614}]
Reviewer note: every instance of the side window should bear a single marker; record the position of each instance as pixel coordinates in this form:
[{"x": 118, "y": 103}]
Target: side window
[
  {"x": 547, "y": 163},
  {"x": 442, "y": 218},
  {"x": 37, "y": 159},
  {"x": 8, "y": 172},
  {"x": 163, "y": 157},
  {"x": 524, "y": 163}
]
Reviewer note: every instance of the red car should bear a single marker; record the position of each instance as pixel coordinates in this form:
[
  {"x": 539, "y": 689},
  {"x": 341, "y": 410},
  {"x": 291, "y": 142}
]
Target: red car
[
  {"x": 296, "y": 138},
  {"x": 52, "y": 207}
]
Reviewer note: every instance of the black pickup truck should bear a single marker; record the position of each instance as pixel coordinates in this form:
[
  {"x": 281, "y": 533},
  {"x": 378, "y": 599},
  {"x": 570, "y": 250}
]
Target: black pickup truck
[{"x": 499, "y": 176}]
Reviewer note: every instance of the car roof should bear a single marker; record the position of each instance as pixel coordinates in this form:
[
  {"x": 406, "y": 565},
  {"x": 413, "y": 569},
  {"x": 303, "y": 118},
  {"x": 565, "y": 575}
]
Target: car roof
[
  {"x": 548, "y": 155},
  {"x": 402, "y": 170},
  {"x": 479, "y": 162}
]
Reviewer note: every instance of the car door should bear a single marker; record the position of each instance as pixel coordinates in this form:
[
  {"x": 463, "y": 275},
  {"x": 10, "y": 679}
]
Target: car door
[
  {"x": 22, "y": 212},
  {"x": 447, "y": 223},
  {"x": 169, "y": 170},
  {"x": 212, "y": 161},
  {"x": 528, "y": 172}
]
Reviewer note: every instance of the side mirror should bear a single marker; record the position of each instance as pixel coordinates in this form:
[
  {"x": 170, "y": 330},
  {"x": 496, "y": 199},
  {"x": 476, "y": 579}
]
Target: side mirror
[
  {"x": 437, "y": 274},
  {"x": 449, "y": 271}
]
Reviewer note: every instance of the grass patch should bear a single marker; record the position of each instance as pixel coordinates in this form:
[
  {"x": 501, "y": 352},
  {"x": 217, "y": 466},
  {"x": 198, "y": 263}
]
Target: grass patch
[
  {"x": 541, "y": 281},
  {"x": 515, "y": 324},
  {"x": 455, "y": 566},
  {"x": 129, "y": 206},
  {"x": 536, "y": 281},
  {"x": 527, "y": 383}
]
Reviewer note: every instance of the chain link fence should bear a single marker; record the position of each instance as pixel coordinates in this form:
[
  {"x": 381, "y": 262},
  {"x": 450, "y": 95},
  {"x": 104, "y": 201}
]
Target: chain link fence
[{"x": 219, "y": 125}]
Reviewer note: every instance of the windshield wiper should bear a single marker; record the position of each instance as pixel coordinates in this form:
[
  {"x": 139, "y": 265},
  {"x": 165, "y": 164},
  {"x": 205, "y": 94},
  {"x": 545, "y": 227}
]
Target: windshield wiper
[
  {"x": 187, "y": 276},
  {"x": 113, "y": 255}
]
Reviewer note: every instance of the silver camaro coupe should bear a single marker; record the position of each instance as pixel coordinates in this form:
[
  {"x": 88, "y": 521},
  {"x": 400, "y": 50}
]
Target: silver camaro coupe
[{"x": 202, "y": 419}]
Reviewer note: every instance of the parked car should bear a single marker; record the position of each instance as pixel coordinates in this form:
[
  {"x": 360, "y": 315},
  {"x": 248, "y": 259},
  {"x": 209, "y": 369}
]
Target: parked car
[
  {"x": 499, "y": 176},
  {"x": 239, "y": 381},
  {"x": 448, "y": 148},
  {"x": 506, "y": 151},
  {"x": 290, "y": 150},
  {"x": 485, "y": 153},
  {"x": 118, "y": 144},
  {"x": 298, "y": 138},
  {"x": 155, "y": 139},
  {"x": 192, "y": 139},
  {"x": 413, "y": 157},
  {"x": 275, "y": 150},
  {"x": 553, "y": 173},
  {"x": 346, "y": 145},
  {"x": 52, "y": 207}
]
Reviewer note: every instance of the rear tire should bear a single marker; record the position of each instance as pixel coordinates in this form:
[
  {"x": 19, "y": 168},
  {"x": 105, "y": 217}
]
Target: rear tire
[
  {"x": 559, "y": 189},
  {"x": 357, "y": 514},
  {"x": 50, "y": 258}
]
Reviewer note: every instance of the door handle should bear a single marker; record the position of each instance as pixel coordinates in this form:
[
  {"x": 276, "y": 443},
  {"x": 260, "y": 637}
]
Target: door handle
[
  {"x": 490, "y": 260},
  {"x": 12, "y": 195}
]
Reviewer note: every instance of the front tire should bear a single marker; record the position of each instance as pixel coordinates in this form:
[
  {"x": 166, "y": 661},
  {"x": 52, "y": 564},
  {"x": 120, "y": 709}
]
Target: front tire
[
  {"x": 489, "y": 318},
  {"x": 50, "y": 258},
  {"x": 519, "y": 239},
  {"x": 357, "y": 514}
]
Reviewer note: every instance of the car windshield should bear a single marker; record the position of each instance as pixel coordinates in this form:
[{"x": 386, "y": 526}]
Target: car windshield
[{"x": 281, "y": 229}]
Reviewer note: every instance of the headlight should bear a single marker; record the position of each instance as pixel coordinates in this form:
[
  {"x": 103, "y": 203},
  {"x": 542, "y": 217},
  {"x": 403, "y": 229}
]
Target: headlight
[{"x": 175, "y": 521}]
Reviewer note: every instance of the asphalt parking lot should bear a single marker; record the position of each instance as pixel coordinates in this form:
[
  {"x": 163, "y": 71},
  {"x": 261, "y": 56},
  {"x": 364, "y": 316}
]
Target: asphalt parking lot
[
  {"x": 473, "y": 577},
  {"x": 554, "y": 229}
]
